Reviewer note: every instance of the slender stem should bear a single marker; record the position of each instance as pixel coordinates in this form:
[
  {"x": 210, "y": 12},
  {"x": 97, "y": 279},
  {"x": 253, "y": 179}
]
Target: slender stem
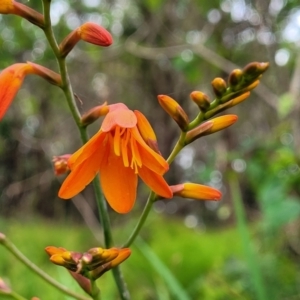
[
  {"x": 142, "y": 220},
  {"x": 95, "y": 291},
  {"x": 68, "y": 91},
  {"x": 152, "y": 196},
  {"x": 22, "y": 258},
  {"x": 13, "y": 295}
]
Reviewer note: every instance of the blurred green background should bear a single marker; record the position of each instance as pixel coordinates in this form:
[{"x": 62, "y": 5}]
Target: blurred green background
[{"x": 214, "y": 250}]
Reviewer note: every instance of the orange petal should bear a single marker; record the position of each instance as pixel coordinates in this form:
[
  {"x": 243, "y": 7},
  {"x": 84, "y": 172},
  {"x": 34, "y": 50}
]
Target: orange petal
[
  {"x": 156, "y": 182},
  {"x": 119, "y": 183},
  {"x": 94, "y": 144},
  {"x": 121, "y": 117},
  {"x": 11, "y": 80},
  {"x": 80, "y": 176},
  {"x": 150, "y": 158}
]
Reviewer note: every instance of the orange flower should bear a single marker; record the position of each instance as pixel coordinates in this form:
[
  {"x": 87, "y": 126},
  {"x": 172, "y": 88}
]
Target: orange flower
[
  {"x": 16, "y": 8},
  {"x": 12, "y": 78},
  {"x": 119, "y": 153}
]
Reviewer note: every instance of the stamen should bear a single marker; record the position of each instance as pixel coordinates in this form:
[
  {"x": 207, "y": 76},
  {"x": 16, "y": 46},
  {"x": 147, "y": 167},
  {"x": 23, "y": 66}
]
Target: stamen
[
  {"x": 117, "y": 141},
  {"x": 124, "y": 151}
]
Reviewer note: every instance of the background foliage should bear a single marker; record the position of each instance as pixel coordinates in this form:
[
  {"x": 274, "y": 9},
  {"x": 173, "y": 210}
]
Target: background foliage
[{"x": 169, "y": 47}]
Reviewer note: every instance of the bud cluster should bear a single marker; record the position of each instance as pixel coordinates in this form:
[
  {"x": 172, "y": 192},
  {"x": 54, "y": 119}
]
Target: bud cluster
[{"x": 91, "y": 264}]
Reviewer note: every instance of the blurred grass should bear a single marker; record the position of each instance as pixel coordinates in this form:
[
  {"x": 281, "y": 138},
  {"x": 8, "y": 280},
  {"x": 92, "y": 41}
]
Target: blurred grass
[{"x": 208, "y": 264}]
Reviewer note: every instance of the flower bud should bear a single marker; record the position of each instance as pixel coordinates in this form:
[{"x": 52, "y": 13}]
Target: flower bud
[
  {"x": 239, "y": 99},
  {"x": 19, "y": 9},
  {"x": 235, "y": 78},
  {"x": 210, "y": 127},
  {"x": 196, "y": 191},
  {"x": 88, "y": 32},
  {"x": 174, "y": 110},
  {"x": 94, "y": 114},
  {"x": 219, "y": 86},
  {"x": 201, "y": 100},
  {"x": 254, "y": 70},
  {"x": 61, "y": 164}
]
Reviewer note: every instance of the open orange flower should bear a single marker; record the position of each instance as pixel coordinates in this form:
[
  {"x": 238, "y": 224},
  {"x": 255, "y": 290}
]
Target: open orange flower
[{"x": 120, "y": 154}]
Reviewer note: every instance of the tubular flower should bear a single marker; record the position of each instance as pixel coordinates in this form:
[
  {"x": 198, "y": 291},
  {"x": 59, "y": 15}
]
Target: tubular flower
[
  {"x": 120, "y": 154},
  {"x": 24, "y": 11},
  {"x": 12, "y": 78}
]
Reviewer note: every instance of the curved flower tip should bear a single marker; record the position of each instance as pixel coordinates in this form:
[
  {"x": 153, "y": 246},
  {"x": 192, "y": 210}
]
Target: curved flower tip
[
  {"x": 174, "y": 110},
  {"x": 196, "y": 191},
  {"x": 11, "y": 80},
  {"x": 13, "y": 76},
  {"x": 120, "y": 154},
  {"x": 16, "y": 8},
  {"x": 89, "y": 32}
]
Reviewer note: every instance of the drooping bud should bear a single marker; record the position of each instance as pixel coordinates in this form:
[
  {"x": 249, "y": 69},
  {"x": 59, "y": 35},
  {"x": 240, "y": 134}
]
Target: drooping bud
[
  {"x": 174, "y": 110},
  {"x": 52, "y": 77},
  {"x": 146, "y": 131},
  {"x": 210, "y": 127},
  {"x": 94, "y": 114},
  {"x": 196, "y": 191},
  {"x": 219, "y": 86},
  {"x": 201, "y": 100},
  {"x": 88, "y": 32},
  {"x": 60, "y": 164},
  {"x": 19, "y": 9}
]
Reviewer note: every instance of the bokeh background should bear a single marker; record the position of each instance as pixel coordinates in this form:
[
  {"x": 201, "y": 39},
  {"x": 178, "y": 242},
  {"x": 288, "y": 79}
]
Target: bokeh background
[{"x": 173, "y": 48}]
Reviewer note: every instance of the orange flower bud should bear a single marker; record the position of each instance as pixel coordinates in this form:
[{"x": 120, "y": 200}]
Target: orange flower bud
[
  {"x": 17, "y": 8},
  {"x": 88, "y": 32},
  {"x": 146, "y": 131},
  {"x": 210, "y": 127},
  {"x": 219, "y": 86},
  {"x": 196, "y": 191},
  {"x": 174, "y": 110},
  {"x": 51, "y": 250},
  {"x": 94, "y": 114},
  {"x": 201, "y": 100},
  {"x": 239, "y": 99},
  {"x": 61, "y": 164}
]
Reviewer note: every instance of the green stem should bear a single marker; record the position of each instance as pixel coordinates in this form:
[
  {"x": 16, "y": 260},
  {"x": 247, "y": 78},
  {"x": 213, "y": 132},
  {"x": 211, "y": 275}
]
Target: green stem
[
  {"x": 142, "y": 220},
  {"x": 68, "y": 91},
  {"x": 16, "y": 296},
  {"x": 95, "y": 291},
  {"x": 152, "y": 196},
  {"x": 23, "y": 259}
]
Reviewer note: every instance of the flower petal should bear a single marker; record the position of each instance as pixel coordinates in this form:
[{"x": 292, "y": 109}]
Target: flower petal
[
  {"x": 94, "y": 144},
  {"x": 120, "y": 117},
  {"x": 156, "y": 182},
  {"x": 80, "y": 176},
  {"x": 119, "y": 183},
  {"x": 11, "y": 80},
  {"x": 150, "y": 158}
]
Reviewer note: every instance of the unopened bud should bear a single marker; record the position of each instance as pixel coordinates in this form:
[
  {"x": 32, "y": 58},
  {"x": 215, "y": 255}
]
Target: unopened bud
[
  {"x": 254, "y": 70},
  {"x": 60, "y": 164},
  {"x": 219, "y": 86},
  {"x": 4, "y": 288},
  {"x": 235, "y": 78},
  {"x": 210, "y": 127},
  {"x": 94, "y": 114},
  {"x": 88, "y": 32},
  {"x": 201, "y": 100},
  {"x": 174, "y": 110},
  {"x": 196, "y": 191},
  {"x": 239, "y": 99}
]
